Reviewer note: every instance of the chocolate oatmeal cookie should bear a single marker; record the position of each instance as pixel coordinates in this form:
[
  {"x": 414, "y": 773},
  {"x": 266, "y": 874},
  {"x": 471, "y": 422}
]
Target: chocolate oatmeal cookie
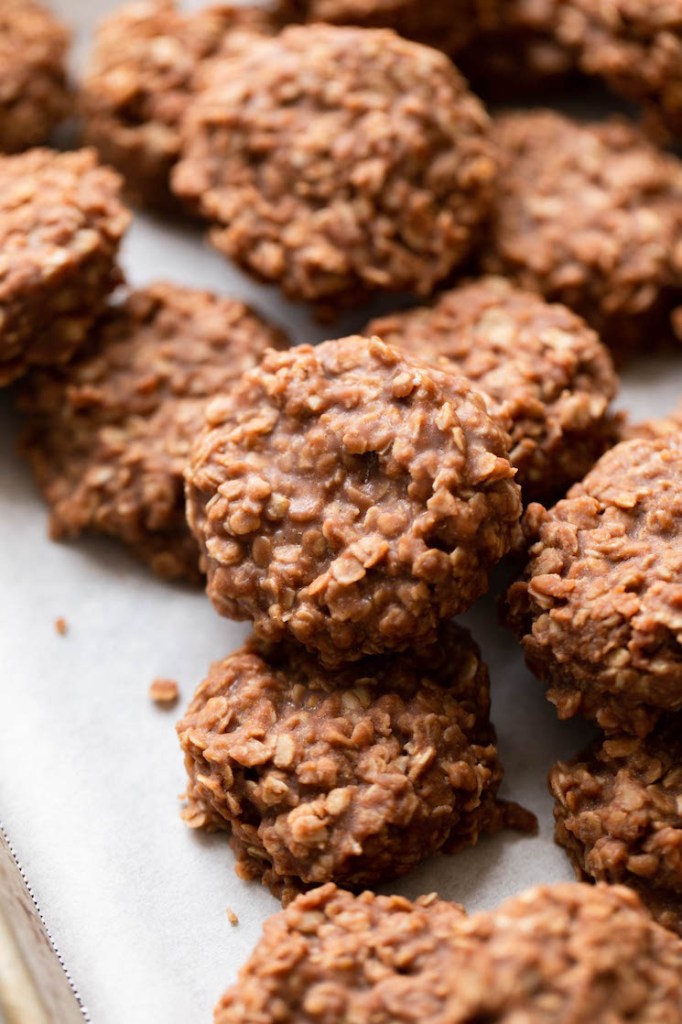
[
  {"x": 660, "y": 426},
  {"x": 34, "y": 95},
  {"x": 618, "y": 813},
  {"x": 562, "y": 954},
  {"x": 142, "y": 75},
  {"x": 591, "y": 216},
  {"x": 350, "y": 497},
  {"x": 598, "y": 607},
  {"x": 352, "y": 775},
  {"x": 61, "y": 223},
  {"x": 541, "y": 365},
  {"x": 635, "y": 45},
  {"x": 108, "y": 435},
  {"x": 336, "y": 161},
  {"x": 499, "y": 44}
]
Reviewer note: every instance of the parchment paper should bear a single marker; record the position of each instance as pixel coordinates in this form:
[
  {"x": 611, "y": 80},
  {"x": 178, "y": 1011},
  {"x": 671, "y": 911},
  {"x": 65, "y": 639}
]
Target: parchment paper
[{"x": 90, "y": 769}]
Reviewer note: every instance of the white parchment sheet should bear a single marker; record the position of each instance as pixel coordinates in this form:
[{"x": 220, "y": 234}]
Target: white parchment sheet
[{"x": 90, "y": 769}]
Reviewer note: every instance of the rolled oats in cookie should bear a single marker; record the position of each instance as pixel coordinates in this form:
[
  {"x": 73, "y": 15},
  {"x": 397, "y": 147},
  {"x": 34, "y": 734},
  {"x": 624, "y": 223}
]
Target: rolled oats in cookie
[
  {"x": 108, "y": 435},
  {"x": 34, "y": 95},
  {"x": 618, "y": 813},
  {"x": 635, "y": 45},
  {"x": 540, "y": 364},
  {"x": 589, "y": 215},
  {"x": 352, "y": 775},
  {"x": 61, "y": 223},
  {"x": 142, "y": 74},
  {"x": 598, "y": 606},
  {"x": 337, "y": 161},
  {"x": 553, "y": 955},
  {"x": 351, "y": 497}
]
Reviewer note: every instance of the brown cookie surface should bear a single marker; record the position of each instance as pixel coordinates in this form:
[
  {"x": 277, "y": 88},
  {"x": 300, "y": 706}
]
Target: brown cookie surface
[
  {"x": 598, "y": 606},
  {"x": 541, "y": 365},
  {"x": 562, "y": 953},
  {"x": 589, "y": 215},
  {"x": 635, "y": 45},
  {"x": 109, "y": 434},
  {"x": 618, "y": 813},
  {"x": 61, "y": 224},
  {"x": 141, "y": 77},
  {"x": 34, "y": 95},
  {"x": 351, "y": 497},
  {"x": 336, "y": 161},
  {"x": 352, "y": 775}
]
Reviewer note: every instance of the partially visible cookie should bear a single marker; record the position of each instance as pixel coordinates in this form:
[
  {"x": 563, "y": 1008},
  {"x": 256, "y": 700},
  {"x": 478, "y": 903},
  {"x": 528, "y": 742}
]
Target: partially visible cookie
[
  {"x": 589, "y": 215},
  {"x": 61, "y": 223},
  {"x": 351, "y": 497},
  {"x": 598, "y": 608},
  {"x": 635, "y": 45},
  {"x": 618, "y": 813},
  {"x": 141, "y": 77},
  {"x": 352, "y": 775},
  {"x": 34, "y": 94},
  {"x": 541, "y": 365},
  {"x": 108, "y": 435},
  {"x": 553, "y": 955},
  {"x": 339, "y": 161}
]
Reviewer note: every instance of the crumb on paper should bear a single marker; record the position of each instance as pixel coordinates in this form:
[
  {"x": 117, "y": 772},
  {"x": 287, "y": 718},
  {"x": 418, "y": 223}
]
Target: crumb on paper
[
  {"x": 232, "y": 917},
  {"x": 164, "y": 691},
  {"x": 61, "y": 625}
]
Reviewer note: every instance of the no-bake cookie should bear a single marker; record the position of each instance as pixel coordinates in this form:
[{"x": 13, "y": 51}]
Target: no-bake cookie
[
  {"x": 589, "y": 215},
  {"x": 635, "y": 45},
  {"x": 598, "y": 606},
  {"x": 336, "y": 161},
  {"x": 351, "y": 775},
  {"x": 61, "y": 223},
  {"x": 108, "y": 435},
  {"x": 541, "y": 365},
  {"x": 351, "y": 497},
  {"x": 34, "y": 95},
  {"x": 141, "y": 78},
  {"x": 588, "y": 955},
  {"x": 618, "y": 813}
]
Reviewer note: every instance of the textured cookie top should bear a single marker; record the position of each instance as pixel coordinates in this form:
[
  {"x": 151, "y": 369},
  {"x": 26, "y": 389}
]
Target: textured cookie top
[
  {"x": 109, "y": 434},
  {"x": 619, "y": 813},
  {"x": 635, "y": 44},
  {"x": 33, "y": 92},
  {"x": 543, "y": 367},
  {"x": 336, "y": 159},
  {"x": 144, "y": 63},
  {"x": 590, "y": 215},
  {"x": 548, "y": 955},
  {"x": 353, "y": 774},
  {"x": 599, "y": 605},
  {"x": 350, "y": 496}
]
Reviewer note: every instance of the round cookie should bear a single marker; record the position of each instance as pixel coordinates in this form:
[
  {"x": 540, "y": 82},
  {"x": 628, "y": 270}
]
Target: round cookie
[
  {"x": 618, "y": 813},
  {"x": 350, "y": 497},
  {"x": 562, "y": 953},
  {"x": 353, "y": 775},
  {"x": 336, "y": 161},
  {"x": 108, "y": 435},
  {"x": 589, "y": 215},
  {"x": 598, "y": 606},
  {"x": 34, "y": 95},
  {"x": 541, "y": 365},
  {"x": 142, "y": 74},
  {"x": 61, "y": 223},
  {"x": 635, "y": 45}
]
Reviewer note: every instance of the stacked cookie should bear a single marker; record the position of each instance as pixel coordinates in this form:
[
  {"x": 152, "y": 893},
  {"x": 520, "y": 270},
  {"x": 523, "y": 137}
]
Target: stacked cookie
[{"x": 348, "y": 499}]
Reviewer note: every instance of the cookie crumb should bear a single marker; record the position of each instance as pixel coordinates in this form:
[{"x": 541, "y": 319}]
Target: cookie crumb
[
  {"x": 232, "y": 917},
  {"x": 61, "y": 625},
  {"x": 164, "y": 691}
]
